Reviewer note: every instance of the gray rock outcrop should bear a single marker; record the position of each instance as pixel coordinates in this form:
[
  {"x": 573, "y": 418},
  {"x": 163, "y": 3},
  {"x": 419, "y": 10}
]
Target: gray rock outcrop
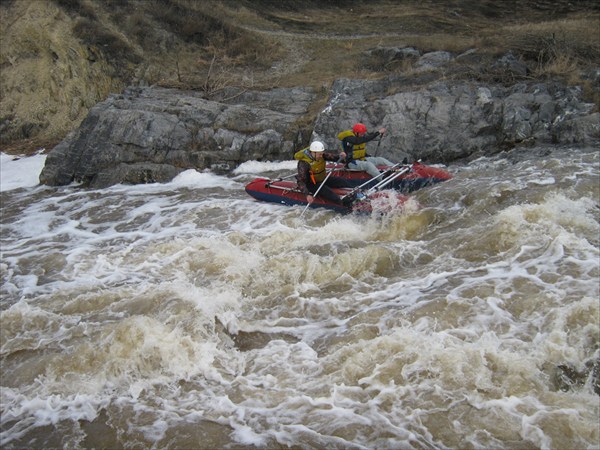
[
  {"x": 447, "y": 121},
  {"x": 152, "y": 134}
]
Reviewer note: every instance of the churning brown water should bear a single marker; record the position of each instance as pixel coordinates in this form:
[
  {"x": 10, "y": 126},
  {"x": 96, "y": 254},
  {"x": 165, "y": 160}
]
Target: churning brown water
[{"x": 188, "y": 315}]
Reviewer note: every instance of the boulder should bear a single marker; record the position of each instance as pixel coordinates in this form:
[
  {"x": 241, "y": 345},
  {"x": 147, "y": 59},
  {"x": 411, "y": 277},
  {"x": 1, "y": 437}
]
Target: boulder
[
  {"x": 433, "y": 60},
  {"x": 445, "y": 121},
  {"x": 151, "y": 134}
]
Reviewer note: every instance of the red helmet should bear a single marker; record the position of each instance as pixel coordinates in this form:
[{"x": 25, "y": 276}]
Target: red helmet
[{"x": 359, "y": 128}]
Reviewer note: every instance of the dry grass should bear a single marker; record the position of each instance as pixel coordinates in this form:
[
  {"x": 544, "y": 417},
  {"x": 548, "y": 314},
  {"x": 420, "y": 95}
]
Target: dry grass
[
  {"x": 211, "y": 44},
  {"x": 559, "y": 48}
]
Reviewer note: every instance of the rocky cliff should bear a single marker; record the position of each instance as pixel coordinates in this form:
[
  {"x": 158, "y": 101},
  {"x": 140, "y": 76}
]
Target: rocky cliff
[
  {"x": 216, "y": 83},
  {"x": 152, "y": 134}
]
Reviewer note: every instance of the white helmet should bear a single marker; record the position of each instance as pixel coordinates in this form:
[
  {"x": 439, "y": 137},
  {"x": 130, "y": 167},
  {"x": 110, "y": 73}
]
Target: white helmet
[{"x": 317, "y": 147}]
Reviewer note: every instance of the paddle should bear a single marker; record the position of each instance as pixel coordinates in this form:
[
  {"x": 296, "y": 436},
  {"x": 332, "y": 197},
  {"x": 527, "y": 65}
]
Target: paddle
[
  {"x": 281, "y": 179},
  {"x": 378, "y": 144},
  {"x": 320, "y": 186}
]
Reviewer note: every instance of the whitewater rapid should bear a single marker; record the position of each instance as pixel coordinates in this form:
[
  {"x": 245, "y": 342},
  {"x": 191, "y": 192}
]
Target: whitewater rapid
[{"x": 188, "y": 315}]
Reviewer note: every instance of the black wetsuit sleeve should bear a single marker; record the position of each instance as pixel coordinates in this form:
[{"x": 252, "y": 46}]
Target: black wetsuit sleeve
[{"x": 302, "y": 177}]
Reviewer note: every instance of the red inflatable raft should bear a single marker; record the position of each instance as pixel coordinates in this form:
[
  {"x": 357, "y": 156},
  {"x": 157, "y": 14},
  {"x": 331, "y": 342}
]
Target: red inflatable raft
[
  {"x": 378, "y": 194},
  {"x": 287, "y": 193}
]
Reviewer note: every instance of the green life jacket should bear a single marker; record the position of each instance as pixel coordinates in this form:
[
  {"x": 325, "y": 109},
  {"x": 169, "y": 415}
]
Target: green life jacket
[
  {"x": 359, "y": 152},
  {"x": 317, "y": 166}
]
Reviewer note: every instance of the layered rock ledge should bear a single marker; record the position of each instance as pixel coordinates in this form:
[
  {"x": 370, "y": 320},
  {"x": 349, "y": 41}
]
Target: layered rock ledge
[{"x": 151, "y": 134}]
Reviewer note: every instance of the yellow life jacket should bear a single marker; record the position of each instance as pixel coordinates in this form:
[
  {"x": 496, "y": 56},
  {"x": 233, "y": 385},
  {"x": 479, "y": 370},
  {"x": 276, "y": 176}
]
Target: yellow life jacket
[
  {"x": 358, "y": 151},
  {"x": 317, "y": 166}
]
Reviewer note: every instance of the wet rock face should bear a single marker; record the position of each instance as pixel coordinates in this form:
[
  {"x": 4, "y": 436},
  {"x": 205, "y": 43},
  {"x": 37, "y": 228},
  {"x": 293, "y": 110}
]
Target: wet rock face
[
  {"x": 447, "y": 121},
  {"x": 152, "y": 134}
]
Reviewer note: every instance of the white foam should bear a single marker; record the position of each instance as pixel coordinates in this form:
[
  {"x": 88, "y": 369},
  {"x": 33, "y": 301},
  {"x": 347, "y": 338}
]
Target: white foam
[
  {"x": 264, "y": 166},
  {"x": 200, "y": 180},
  {"x": 20, "y": 171},
  {"x": 173, "y": 306}
]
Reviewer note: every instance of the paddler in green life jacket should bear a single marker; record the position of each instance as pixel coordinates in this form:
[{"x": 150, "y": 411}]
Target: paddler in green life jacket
[
  {"x": 354, "y": 144},
  {"x": 312, "y": 173}
]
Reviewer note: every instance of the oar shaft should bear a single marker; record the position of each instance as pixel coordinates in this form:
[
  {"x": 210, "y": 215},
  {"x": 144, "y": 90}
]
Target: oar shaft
[
  {"x": 380, "y": 175},
  {"x": 388, "y": 180},
  {"x": 280, "y": 179},
  {"x": 391, "y": 178},
  {"x": 370, "y": 180},
  {"x": 378, "y": 144}
]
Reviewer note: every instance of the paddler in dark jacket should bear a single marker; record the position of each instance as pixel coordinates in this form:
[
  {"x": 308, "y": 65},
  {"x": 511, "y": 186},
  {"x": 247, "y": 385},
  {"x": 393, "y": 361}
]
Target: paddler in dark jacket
[
  {"x": 312, "y": 173},
  {"x": 354, "y": 144}
]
